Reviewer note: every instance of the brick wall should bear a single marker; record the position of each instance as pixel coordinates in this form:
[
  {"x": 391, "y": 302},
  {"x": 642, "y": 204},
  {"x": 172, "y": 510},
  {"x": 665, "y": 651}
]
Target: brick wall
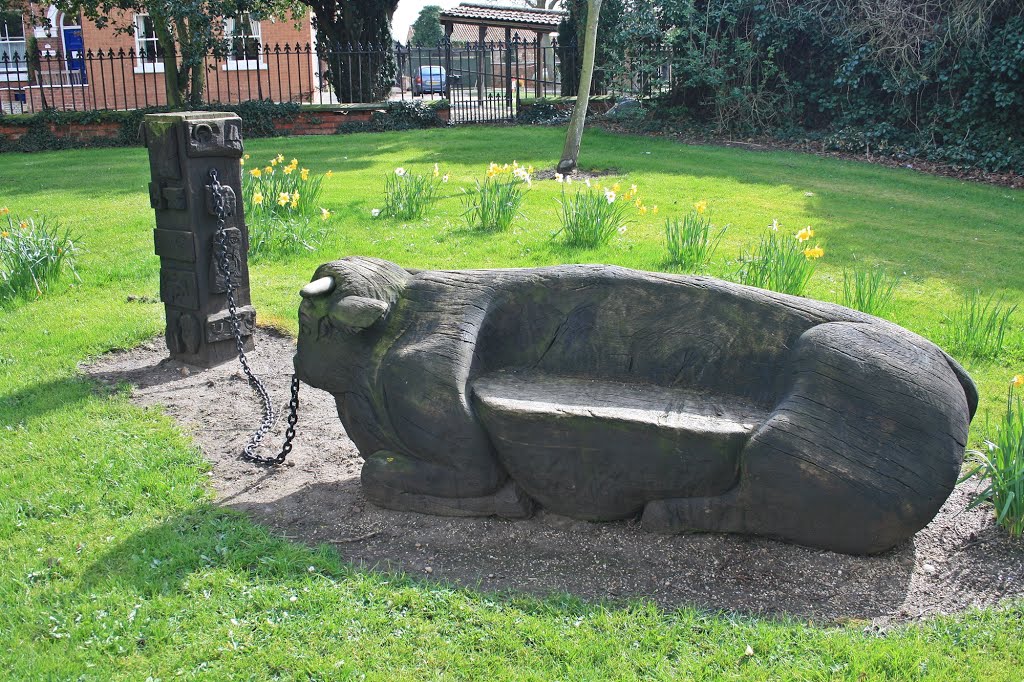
[{"x": 123, "y": 83}]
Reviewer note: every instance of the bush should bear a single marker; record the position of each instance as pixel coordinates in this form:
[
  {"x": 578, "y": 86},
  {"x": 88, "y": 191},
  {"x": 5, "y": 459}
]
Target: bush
[
  {"x": 1001, "y": 465},
  {"x": 282, "y": 208},
  {"x": 691, "y": 243},
  {"x": 591, "y": 216},
  {"x": 495, "y": 202},
  {"x": 33, "y": 255},
  {"x": 780, "y": 263}
]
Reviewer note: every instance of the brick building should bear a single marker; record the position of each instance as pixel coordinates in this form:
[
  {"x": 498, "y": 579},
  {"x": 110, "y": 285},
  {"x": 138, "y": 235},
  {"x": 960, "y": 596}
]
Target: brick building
[{"x": 78, "y": 65}]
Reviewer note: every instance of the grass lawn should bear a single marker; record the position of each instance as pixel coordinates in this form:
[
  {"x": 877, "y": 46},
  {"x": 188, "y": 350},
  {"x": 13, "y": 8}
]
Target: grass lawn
[{"x": 115, "y": 564}]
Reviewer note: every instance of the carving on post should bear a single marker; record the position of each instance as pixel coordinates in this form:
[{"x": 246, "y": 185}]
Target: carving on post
[
  {"x": 603, "y": 393},
  {"x": 183, "y": 149}
]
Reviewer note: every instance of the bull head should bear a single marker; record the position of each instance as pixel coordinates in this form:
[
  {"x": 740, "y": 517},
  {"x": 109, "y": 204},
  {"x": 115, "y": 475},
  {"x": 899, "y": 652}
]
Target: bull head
[{"x": 352, "y": 313}]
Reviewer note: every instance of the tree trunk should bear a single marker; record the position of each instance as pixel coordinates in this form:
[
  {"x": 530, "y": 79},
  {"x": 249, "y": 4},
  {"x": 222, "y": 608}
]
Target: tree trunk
[
  {"x": 355, "y": 44},
  {"x": 172, "y": 87},
  {"x": 574, "y": 136}
]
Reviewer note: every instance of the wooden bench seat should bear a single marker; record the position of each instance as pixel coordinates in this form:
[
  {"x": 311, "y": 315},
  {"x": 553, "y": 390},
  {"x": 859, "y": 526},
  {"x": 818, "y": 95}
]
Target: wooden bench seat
[{"x": 551, "y": 432}]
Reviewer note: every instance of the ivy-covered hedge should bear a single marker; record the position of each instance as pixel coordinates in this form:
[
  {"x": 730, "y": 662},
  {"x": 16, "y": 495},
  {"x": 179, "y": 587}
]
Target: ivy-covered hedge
[{"x": 936, "y": 79}]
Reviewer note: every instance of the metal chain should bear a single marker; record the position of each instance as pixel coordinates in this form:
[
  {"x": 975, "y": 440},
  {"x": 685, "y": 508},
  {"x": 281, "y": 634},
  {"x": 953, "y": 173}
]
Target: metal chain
[{"x": 267, "y": 423}]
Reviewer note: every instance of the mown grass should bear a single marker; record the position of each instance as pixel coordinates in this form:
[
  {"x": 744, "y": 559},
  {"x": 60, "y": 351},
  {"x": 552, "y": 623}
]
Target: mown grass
[{"x": 114, "y": 564}]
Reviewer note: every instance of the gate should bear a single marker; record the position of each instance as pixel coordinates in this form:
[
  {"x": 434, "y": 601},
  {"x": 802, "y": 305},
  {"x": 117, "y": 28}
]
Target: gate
[{"x": 484, "y": 81}]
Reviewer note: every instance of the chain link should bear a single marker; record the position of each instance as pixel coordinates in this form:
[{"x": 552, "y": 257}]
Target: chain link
[{"x": 267, "y": 423}]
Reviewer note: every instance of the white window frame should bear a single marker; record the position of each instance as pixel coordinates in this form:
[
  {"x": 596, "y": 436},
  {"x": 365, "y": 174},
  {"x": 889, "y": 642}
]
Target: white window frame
[
  {"x": 140, "y": 65},
  {"x": 255, "y": 32},
  {"x": 10, "y": 72}
]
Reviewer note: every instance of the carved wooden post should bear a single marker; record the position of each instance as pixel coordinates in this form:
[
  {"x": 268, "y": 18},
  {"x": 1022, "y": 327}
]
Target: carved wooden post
[{"x": 183, "y": 149}]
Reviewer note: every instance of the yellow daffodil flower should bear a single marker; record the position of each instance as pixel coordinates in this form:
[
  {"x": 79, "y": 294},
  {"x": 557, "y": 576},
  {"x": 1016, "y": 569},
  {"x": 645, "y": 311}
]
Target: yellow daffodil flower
[
  {"x": 5, "y": 234},
  {"x": 529, "y": 169},
  {"x": 295, "y": 162},
  {"x": 804, "y": 234},
  {"x": 643, "y": 210},
  {"x": 632, "y": 188},
  {"x": 4, "y": 210},
  {"x": 279, "y": 158},
  {"x": 282, "y": 199},
  {"x": 654, "y": 210},
  {"x": 324, "y": 214},
  {"x": 638, "y": 203},
  {"x": 701, "y": 206},
  {"x": 269, "y": 170},
  {"x": 816, "y": 252},
  {"x": 437, "y": 172},
  {"x": 273, "y": 162},
  {"x": 1017, "y": 380},
  {"x": 255, "y": 172},
  {"x": 23, "y": 225},
  {"x": 241, "y": 162},
  {"x": 257, "y": 198},
  {"x": 616, "y": 187},
  {"x": 288, "y": 170},
  {"x": 246, "y": 157},
  {"x": 329, "y": 174},
  {"x": 304, "y": 173}
]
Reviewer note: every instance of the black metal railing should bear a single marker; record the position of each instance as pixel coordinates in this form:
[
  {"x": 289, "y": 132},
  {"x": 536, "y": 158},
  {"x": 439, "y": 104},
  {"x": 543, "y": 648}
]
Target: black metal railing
[{"x": 482, "y": 80}]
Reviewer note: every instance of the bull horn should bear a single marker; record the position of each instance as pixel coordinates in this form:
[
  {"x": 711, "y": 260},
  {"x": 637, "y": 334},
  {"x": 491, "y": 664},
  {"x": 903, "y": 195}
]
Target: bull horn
[{"x": 318, "y": 287}]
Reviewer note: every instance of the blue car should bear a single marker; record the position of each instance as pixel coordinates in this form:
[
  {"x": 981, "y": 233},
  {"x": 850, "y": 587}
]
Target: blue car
[{"x": 429, "y": 79}]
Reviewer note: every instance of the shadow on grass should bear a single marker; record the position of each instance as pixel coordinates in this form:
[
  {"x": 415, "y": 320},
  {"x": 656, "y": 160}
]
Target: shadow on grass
[{"x": 507, "y": 566}]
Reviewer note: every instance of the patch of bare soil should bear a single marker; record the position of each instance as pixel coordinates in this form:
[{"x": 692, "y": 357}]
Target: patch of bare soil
[{"x": 960, "y": 560}]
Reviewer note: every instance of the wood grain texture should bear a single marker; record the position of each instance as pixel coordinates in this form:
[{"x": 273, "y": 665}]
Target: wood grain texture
[{"x": 604, "y": 393}]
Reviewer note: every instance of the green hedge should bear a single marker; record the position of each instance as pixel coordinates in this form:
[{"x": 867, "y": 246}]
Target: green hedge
[
  {"x": 860, "y": 75},
  {"x": 259, "y": 119}
]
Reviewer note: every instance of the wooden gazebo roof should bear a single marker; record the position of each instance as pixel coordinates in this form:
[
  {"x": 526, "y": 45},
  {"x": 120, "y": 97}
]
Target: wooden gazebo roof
[{"x": 506, "y": 16}]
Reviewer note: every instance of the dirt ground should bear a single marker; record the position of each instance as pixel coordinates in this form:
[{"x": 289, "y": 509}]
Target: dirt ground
[{"x": 959, "y": 560}]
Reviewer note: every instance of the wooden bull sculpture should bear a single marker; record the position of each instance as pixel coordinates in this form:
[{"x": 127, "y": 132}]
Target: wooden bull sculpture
[{"x": 604, "y": 393}]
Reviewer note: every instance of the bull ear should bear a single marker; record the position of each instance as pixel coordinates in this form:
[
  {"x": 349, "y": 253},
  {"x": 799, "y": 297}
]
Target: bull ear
[{"x": 358, "y": 312}]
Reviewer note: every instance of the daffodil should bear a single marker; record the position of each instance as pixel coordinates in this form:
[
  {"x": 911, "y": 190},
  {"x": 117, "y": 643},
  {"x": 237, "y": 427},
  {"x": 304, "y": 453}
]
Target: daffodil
[
  {"x": 587, "y": 180},
  {"x": 5, "y": 234},
  {"x": 1017, "y": 380},
  {"x": 269, "y": 170},
  {"x": 257, "y": 198},
  {"x": 329, "y": 174},
  {"x": 701, "y": 206},
  {"x": 437, "y": 171},
  {"x": 295, "y": 200},
  {"x": 638, "y": 203},
  {"x": 375, "y": 212},
  {"x": 643, "y": 210},
  {"x": 4, "y": 210},
  {"x": 241, "y": 162},
  {"x": 775, "y": 225},
  {"x": 279, "y": 158},
  {"x": 288, "y": 170},
  {"x": 255, "y": 172},
  {"x": 23, "y": 225},
  {"x": 559, "y": 178},
  {"x": 282, "y": 199},
  {"x": 304, "y": 173},
  {"x": 804, "y": 234},
  {"x": 529, "y": 169},
  {"x": 632, "y": 188},
  {"x": 609, "y": 196},
  {"x": 615, "y": 187},
  {"x": 654, "y": 210},
  {"x": 622, "y": 230},
  {"x": 295, "y": 162},
  {"x": 444, "y": 178},
  {"x": 816, "y": 252},
  {"x": 324, "y": 214},
  {"x": 400, "y": 172},
  {"x": 246, "y": 157}
]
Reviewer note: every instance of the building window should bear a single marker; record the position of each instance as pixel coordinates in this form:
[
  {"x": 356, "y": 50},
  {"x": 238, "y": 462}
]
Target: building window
[
  {"x": 149, "y": 52},
  {"x": 243, "y": 35},
  {"x": 12, "y": 42}
]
